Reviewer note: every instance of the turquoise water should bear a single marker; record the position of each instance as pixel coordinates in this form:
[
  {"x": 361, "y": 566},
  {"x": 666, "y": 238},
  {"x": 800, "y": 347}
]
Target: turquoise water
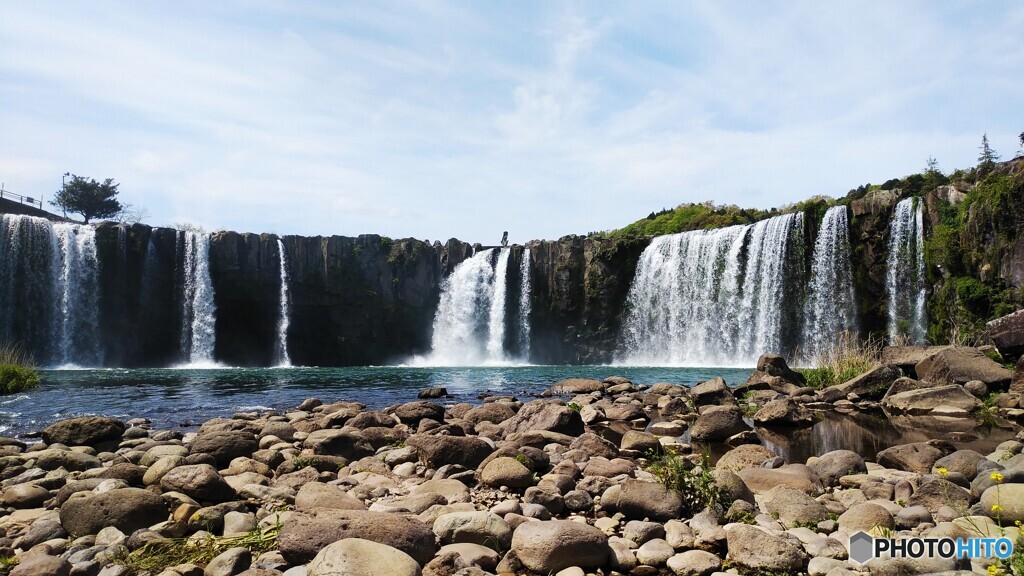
[{"x": 173, "y": 398}]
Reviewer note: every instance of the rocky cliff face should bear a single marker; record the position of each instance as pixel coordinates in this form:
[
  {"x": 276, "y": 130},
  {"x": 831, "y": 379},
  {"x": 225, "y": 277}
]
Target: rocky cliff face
[{"x": 579, "y": 293}]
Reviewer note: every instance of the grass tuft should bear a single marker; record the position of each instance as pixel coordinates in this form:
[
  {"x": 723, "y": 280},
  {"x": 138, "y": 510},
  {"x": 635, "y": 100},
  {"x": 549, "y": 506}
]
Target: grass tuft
[
  {"x": 847, "y": 359},
  {"x": 17, "y": 369},
  {"x": 157, "y": 556}
]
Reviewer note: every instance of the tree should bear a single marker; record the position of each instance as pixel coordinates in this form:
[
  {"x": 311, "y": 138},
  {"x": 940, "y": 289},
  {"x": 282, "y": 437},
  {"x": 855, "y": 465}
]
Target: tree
[
  {"x": 89, "y": 198},
  {"x": 988, "y": 156},
  {"x": 1020, "y": 153},
  {"x": 932, "y": 166}
]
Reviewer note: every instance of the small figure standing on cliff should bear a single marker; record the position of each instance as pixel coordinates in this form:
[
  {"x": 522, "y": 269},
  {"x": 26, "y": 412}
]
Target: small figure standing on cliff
[{"x": 504, "y": 239}]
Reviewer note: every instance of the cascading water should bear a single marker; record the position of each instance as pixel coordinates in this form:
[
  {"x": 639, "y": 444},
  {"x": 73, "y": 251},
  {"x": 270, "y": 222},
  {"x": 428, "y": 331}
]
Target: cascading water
[
  {"x": 49, "y": 290},
  {"x": 469, "y": 326},
  {"x": 524, "y": 306},
  {"x": 712, "y": 297},
  {"x": 199, "y": 312},
  {"x": 830, "y": 314},
  {"x": 905, "y": 273},
  {"x": 281, "y": 357},
  {"x": 496, "y": 320}
]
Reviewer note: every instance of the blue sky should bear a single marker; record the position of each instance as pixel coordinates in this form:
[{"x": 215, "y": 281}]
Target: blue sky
[{"x": 463, "y": 119}]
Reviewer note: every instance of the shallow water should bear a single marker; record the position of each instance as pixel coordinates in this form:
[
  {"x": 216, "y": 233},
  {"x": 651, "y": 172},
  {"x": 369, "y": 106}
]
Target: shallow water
[{"x": 186, "y": 397}]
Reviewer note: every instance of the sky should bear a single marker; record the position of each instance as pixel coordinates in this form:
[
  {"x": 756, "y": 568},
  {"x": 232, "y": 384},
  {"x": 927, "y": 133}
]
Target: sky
[{"x": 435, "y": 120}]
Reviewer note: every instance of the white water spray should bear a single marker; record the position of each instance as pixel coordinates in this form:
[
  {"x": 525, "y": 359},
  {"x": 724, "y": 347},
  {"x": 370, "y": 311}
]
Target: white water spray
[
  {"x": 905, "y": 274},
  {"x": 830, "y": 315},
  {"x": 281, "y": 357},
  {"x": 199, "y": 314}
]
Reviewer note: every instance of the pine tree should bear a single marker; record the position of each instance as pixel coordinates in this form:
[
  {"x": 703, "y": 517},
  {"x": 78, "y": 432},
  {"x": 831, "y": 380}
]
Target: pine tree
[
  {"x": 932, "y": 166},
  {"x": 988, "y": 156}
]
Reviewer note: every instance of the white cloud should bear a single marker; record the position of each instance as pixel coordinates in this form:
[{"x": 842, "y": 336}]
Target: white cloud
[{"x": 435, "y": 120}]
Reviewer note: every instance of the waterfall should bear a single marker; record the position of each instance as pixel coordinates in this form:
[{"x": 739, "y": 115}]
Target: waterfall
[
  {"x": 281, "y": 357},
  {"x": 78, "y": 288},
  {"x": 524, "y": 306},
  {"x": 712, "y": 297},
  {"x": 469, "y": 326},
  {"x": 905, "y": 273},
  {"x": 830, "y": 314},
  {"x": 199, "y": 312},
  {"x": 49, "y": 290}
]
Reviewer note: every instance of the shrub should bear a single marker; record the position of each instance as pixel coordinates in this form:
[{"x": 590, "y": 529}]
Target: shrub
[
  {"x": 17, "y": 370},
  {"x": 695, "y": 483}
]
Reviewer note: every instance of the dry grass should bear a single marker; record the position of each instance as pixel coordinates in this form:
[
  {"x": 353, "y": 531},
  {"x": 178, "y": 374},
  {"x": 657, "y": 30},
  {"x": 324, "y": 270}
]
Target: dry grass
[
  {"x": 850, "y": 357},
  {"x": 163, "y": 554}
]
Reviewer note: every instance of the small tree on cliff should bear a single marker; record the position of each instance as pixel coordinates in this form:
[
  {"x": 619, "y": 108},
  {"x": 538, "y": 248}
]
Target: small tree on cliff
[
  {"x": 89, "y": 198},
  {"x": 988, "y": 156}
]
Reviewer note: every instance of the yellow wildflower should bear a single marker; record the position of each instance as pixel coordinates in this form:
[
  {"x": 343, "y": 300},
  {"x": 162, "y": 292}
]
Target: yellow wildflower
[
  {"x": 996, "y": 508},
  {"x": 996, "y": 477},
  {"x": 994, "y": 570},
  {"x": 942, "y": 472}
]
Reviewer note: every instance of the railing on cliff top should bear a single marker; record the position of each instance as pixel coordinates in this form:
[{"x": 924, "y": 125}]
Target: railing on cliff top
[{"x": 21, "y": 199}]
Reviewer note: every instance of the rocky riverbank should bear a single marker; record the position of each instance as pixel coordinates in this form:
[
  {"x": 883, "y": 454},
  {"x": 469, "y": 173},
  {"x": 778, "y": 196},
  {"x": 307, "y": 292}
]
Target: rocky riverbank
[{"x": 600, "y": 477}]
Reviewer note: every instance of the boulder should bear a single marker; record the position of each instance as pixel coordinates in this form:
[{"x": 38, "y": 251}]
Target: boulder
[
  {"x": 490, "y": 412},
  {"x": 483, "y": 528},
  {"x": 714, "y": 391},
  {"x": 793, "y": 507},
  {"x": 961, "y": 365},
  {"x": 775, "y": 366},
  {"x": 551, "y": 546},
  {"x": 433, "y": 392},
  {"x": 346, "y": 442},
  {"x": 304, "y": 534},
  {"x": 577, "y": 386},
  {"x": 41, "y": 565},
  {"x": 962, "y": 462},
  {"x": 717, "y": 425},
  {"x": 866, "y": 516},
  {"x": 694, "y": 563},
  {"x": 639, "y": 500},
  {"x": 24, "y": 496},
  {"x": 230, "y": 562},
  {"x": 796, "y": 476},
  {"x": 540, "y": 415},
  {"x": 758, "y": 550},
  {"x": 871, "y": 384},
  {"x": 412, "y": 412},
  {"x": 358, "y": 557},
  {"x": 316, "y": 495},
  {"x": 924, "y": 400},
  {"x": 783, "y": 412},
  {"x": 1009, "y": 498},
  {"x": 226, "y": 445},
  {"x": 744, "y": 456},
  {"x": 832, "y": 466},
  {"x": 1007, "y": 333},
  {"x": 198, "y": 481},
  {"x": 127, "y": 509},
  {"x": 505, "y": 471},
  {"x": 934, "y": 493},
  {"x": 907, "y": 357},
  {"x": 918, "y": 457},
  {"x": 85, "y": 431},
  {"x": 436, "y": 450}
]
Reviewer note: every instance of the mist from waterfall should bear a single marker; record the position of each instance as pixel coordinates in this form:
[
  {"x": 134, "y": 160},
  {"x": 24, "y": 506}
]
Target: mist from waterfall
[
  {"x": 281, "y": 357},
  {"x": 199, "y": 312},
  {"x": 712, "y": 297},
  {"x": 905, "y": 282},
  {"x": 830, "y": 314}
]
